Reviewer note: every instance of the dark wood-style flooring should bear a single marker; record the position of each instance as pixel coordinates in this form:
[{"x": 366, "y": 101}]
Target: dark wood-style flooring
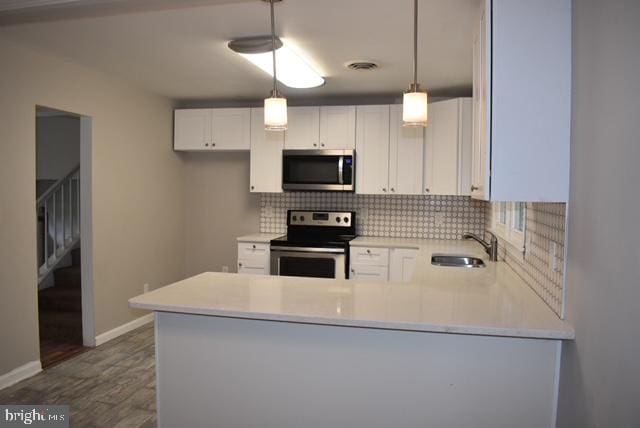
[
  {"x": 112, "y": 385},
  {"x": 53, "y": 352}
]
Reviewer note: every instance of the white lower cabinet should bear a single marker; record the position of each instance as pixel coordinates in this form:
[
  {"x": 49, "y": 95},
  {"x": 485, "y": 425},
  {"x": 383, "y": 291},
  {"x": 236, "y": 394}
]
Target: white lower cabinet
[
  {"x": 402, "y": 264},
  {"x": 254, "y": 258},
  {"x": 382, "y": 264}
]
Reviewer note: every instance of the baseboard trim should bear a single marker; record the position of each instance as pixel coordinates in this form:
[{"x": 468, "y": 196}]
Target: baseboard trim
[
  {"x": 23, "y": 372},
  {"x": 123, "y": 329}
]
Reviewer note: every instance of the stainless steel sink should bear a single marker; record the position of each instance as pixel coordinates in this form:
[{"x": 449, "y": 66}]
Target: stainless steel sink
[{"x": 456, "y": 261}]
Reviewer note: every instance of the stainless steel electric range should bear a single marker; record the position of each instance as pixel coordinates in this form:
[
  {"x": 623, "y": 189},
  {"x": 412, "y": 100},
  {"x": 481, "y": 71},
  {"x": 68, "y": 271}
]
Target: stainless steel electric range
[{"x": 316, "y": 244}]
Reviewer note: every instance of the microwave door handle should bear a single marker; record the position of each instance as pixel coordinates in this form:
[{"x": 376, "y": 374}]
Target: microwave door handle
[{"x": 341, "y": 170}]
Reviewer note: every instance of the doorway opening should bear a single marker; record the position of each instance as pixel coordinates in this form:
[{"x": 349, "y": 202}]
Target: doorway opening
[{"x": 61, "y": 197}]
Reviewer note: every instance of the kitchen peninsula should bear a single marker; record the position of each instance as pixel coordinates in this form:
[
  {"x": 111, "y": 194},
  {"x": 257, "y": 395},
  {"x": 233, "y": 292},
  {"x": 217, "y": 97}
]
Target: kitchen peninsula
[{"x": 455, "y": 347}]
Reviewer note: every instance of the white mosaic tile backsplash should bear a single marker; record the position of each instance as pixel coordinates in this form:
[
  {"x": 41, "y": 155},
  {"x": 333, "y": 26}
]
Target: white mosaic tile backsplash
[
  {"x": 545, "y": 224},
  {"x": 404, "y": 216}
]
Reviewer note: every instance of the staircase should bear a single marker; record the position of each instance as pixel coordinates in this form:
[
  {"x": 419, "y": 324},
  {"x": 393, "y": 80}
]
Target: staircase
[
  {"x": 60, "y": 306},
  {"x": 58, "y": 211}
]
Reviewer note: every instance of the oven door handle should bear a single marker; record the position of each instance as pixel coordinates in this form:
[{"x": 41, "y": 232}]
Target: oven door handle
[{"x": 308, "y": 250}]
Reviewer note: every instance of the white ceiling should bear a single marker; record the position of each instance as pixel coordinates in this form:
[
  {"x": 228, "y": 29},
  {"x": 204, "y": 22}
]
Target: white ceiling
[{"x": 182, "y": 53}]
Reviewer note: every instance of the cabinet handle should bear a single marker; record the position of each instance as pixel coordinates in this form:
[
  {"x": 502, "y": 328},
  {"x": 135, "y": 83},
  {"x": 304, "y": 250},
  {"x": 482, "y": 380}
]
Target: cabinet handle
[
  {"x": 239, "y": 264},
  {"x": 213, "y": 144},
  {"x": 384, "y": 189},
  {"x": 473, "y": 188},
  {"x": 393, "y": 190},
  {"x": 315, "y": 145},
  {"x": 368, "y": 251},
  {"x": 426, "y": 190},
  {"x": 253, "y": 246},
  {"x": 322, "y": 144},
  {"x": 206, "y": 144},
  {"x": 353, "y": 271},
  {"x": 252, "y": 187}
]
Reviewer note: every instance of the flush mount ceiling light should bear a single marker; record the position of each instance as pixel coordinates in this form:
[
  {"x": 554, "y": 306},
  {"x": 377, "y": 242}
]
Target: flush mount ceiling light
[
  {"x": 414, "y": 101},
  {"x": 293, "y": 71}
]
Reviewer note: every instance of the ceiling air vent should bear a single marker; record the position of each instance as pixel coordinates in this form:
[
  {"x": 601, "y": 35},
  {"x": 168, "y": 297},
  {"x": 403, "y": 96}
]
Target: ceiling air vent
[{"x": 361, "y": 65}]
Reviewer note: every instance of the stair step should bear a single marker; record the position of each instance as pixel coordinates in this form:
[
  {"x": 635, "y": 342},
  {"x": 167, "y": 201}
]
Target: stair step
[
  {"x": 68, "y": 277},
  {"x": 60, "y": 299}
]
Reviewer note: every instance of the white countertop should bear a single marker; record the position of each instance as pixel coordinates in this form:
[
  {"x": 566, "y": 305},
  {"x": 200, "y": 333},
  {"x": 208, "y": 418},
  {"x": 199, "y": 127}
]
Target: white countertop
[
  {"x": 263, "y": 238},
  {"x": 484, "y": 301}
]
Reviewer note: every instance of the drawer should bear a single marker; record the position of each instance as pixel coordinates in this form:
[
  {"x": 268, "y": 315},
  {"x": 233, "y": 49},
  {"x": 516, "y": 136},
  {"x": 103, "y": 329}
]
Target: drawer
[
  {"x": 369, "y": 273},
  {"x": 254, "y": 265},
  {"x": 371, "y": 256},
  {"x": 254, "y": 270},
  {"x": 253, "y": 250}
]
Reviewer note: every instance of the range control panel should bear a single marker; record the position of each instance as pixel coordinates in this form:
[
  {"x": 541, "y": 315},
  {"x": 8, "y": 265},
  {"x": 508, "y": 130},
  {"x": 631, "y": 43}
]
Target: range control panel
[{"x": 321, "y": 218}]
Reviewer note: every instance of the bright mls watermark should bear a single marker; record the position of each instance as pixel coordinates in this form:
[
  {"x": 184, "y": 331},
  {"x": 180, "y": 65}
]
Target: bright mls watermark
[{"x": 34, "y": 416}]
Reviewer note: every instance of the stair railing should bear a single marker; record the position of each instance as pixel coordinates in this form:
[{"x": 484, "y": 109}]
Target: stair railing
[{"x": 58, "y": 211}]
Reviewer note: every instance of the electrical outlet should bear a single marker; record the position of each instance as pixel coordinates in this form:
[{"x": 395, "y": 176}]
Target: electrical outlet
[
  {"x": 145, "y": 288},
  {"x": 439, "y": 219},
  {"x": 268, "y": 211},
  {"x": 225, "y": 268}
]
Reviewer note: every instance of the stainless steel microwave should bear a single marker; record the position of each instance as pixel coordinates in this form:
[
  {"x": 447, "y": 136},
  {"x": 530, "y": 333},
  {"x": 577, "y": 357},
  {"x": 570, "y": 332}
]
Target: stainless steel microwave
[{"x": 328, "y": 170}]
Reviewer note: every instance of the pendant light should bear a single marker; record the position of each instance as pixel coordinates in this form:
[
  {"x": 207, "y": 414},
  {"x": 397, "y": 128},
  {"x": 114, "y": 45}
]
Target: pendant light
[
  {"x": 275, "y": 107},
  {"x": 414, "y": 101}
]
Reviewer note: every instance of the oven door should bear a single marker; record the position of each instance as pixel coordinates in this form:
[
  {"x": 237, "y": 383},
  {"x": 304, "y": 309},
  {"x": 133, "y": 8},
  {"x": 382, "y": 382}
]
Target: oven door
[
  {"x": 329, "y": 170},
  {"x": 308, "y": 262}
]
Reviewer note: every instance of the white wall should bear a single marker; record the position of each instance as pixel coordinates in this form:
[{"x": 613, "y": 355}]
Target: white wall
[
  {"x": 57, "y": 146},
  {"x": 218, "y": 209},
  {"x": 600, "y": 378},
  {"x": 137, "y": 187}
]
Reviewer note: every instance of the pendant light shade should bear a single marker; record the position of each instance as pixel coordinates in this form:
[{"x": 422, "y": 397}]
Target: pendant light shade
[
  {"x": 275, "y": 107},
  {"x": 275, "y": 113},
  {"x": 414, "y": 108},
  {"x": 414, "y": 101}
]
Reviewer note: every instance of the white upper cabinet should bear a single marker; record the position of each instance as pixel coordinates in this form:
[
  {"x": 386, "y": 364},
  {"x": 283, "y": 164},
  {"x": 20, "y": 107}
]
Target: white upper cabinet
[
  {"x": 326, "y": 127},
  {"x": 231, "y": 128},
  {"x": 192, "y": 129},
  {"x": 447, "y": 160},
  {"x": 303, "y": 128},
  {"x": 372, "y": 149},
  {"x": 338, "y": 127},
  {"x": 522, "y": 101},
  {"x": 406, "y": 156},
  {"x": 265, "y": 156},
  {"x": 212, "y": 129}
]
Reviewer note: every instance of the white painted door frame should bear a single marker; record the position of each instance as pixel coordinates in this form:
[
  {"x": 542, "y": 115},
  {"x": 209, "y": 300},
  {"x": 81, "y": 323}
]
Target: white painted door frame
[{"x": 86, "y": 232}]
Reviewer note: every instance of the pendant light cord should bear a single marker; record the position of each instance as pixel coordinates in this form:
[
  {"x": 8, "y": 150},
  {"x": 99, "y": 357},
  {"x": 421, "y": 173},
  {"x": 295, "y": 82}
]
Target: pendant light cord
[
  {"x": 273, "y": 49},
  {"x": 415, "y": 44}
]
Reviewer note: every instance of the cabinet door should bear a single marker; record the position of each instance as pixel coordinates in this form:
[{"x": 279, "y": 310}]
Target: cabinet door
[
  {"x": 192, "y": 129},
  {"x": 465, "y": 146},
  {"x": 369, "y": 273},
  {"x": 441, "y": 154},
  {"x": 338, "y": 127},
  {"x": 402, "y": 264},
  {"x": 372, "y": 149},
  {"x": 481, "y": 110},
  {"x": 406, "y": 153},
  {"x": 265, "y": 168},
  {"x": 303, "y": 128},
  {"x": 231, "y": 128}
]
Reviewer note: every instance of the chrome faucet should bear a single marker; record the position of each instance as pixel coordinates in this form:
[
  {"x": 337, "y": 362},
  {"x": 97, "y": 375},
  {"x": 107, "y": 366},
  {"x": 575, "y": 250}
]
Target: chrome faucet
[{"x": 490, "y": 247}]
